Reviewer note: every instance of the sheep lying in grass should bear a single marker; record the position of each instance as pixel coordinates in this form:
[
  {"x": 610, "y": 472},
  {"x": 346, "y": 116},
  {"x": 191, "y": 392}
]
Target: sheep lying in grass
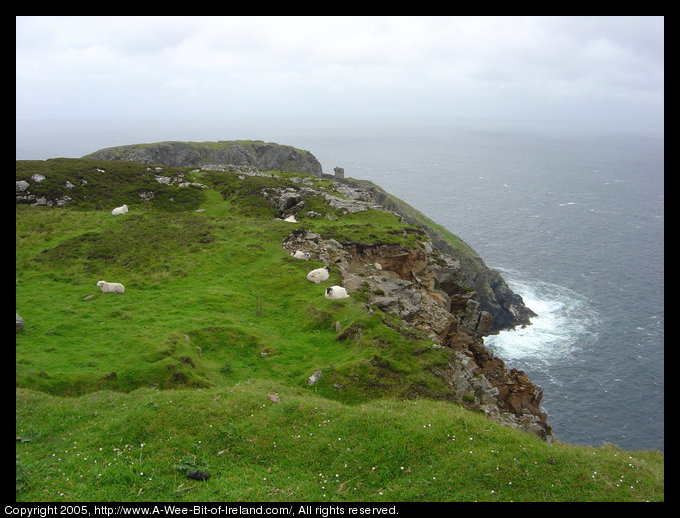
[
  {"x": 119, "y": 210},
  {"x": 111, "y": 287},
  {"x": 299, "y": 254},
  {"x": 290, "y": 219},
  {"x": 336, "y": 292},
  {"x": 318, "y": 275}
]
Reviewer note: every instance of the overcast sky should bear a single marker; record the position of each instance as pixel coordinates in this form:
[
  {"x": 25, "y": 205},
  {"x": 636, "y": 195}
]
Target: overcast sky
[{"x": 585, "y": 69}]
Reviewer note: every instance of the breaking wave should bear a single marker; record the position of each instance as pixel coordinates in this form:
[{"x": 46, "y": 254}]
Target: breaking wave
[{"x": 566, "y": 323}]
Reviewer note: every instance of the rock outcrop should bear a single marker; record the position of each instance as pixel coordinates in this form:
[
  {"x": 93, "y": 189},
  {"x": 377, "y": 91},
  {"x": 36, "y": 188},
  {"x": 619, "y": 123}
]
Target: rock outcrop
[
  {"x": 433, "y": 291},
  {"x": 492, "y": 292},
  {"x": 406, "y": 282},
  {"x": 266, "y": 156},
  {"x": 468, "y": 272}
]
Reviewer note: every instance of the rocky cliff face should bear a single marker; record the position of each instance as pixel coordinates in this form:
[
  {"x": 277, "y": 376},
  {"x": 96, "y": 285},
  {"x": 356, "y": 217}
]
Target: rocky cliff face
[
  {"x": 492, "y": 292},
  {"x": 425, "y": 287},
  {"x": 404, "y": 282},
  {"x": 266, "y": 156}
]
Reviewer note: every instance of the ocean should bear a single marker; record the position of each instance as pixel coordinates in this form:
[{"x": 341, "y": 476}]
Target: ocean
[{"x": 572, "y": 217}]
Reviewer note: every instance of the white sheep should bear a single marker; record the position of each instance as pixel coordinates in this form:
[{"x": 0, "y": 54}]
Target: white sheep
[
  {"x": 290, "y": 219},
  {"x": 336, "y": 292},
  {"x": 299, "y": 254},
  {"x": 318, "y": 275},
  {"x": 119, "y": 210},
  {"x": 111, "y": 287}
]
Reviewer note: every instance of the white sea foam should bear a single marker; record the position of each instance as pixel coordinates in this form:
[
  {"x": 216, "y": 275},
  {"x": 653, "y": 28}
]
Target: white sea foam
[{"x": 566, "y": 322}]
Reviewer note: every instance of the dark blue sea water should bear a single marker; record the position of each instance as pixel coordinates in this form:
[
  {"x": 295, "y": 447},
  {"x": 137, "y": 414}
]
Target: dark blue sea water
[{"x": 572, "y": 217}]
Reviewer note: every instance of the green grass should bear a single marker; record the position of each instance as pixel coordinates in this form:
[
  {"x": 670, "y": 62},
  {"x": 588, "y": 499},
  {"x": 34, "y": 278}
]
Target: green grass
[
  {"x": 120, "y": 183},
  {"x": 136, "y": 447},
  {"x": 193, "y": 275},
  {"x": 216, "y": 315}
]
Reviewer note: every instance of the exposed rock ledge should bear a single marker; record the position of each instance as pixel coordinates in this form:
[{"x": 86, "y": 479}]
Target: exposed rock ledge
[
  {"x": 493, "y": 294},
  {"x": 443, "y": 290},
  {"x": 421, "y": 287}
]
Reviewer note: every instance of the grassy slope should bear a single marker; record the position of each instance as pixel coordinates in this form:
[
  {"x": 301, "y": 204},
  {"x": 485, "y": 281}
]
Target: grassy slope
[
  {"x": 216, "y": 310},
  {"x": 135, "y": 447}
]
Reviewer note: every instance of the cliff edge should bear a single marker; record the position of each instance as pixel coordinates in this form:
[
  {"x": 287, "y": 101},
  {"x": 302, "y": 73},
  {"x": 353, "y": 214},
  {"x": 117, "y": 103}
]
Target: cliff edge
[
  {"x": 493, "y": 293},
  {"x": 265, "y": 156},
  {"x": 404, "y": 272}
]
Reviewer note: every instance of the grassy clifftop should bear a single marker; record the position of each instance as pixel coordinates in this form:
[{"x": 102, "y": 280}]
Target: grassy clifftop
[
  {"x": 203, "y": 362},
  {"x": 263, "y": 155}
]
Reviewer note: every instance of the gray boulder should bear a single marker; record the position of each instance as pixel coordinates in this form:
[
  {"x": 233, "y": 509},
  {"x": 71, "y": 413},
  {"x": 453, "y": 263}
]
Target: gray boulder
[{"x": 314, "y": 378}]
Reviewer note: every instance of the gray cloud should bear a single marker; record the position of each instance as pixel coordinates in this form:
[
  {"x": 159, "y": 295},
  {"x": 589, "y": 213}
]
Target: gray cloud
[{"x": 541, "y": 67}]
